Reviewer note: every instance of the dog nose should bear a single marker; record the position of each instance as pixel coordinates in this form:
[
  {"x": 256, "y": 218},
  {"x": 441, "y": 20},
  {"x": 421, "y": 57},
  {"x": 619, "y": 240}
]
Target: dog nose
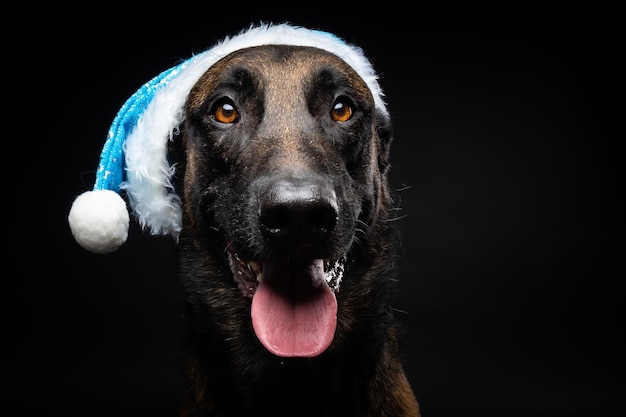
[{"x": 298, "y": 212}]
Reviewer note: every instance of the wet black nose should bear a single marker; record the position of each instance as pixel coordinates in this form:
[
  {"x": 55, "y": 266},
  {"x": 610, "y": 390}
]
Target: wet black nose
[{"x": 298, "y": 212}]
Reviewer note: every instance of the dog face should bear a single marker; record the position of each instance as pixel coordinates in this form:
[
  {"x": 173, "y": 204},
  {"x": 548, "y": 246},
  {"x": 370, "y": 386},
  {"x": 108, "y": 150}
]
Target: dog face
[{"x": 283, "y": 176}]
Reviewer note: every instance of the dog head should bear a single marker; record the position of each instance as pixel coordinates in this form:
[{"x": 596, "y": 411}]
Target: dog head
[
  {"x": 267, "y": 156},
  {"x": 284, "y": 165}
]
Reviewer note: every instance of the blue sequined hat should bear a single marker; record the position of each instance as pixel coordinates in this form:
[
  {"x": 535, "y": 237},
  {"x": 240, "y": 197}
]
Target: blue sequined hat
[{"x": 134, "y": 156}]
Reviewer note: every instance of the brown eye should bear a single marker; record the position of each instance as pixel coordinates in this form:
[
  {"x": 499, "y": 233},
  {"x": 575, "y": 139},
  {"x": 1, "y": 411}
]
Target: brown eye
[
  {"x": 225, "y": 112},
  {"x": 341, "y": 111}
]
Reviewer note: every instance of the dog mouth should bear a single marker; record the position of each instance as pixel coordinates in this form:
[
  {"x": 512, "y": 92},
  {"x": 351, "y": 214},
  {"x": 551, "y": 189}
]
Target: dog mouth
[{"x": 294, "y": 308}]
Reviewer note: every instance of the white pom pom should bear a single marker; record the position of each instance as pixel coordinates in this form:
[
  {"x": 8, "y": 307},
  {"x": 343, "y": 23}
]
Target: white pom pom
[{"x": 99, "y": 221}]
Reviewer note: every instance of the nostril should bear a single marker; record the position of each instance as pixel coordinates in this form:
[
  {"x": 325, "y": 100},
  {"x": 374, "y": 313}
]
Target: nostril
[
  {"x": 322, "y": 217},
  {"x": 298, "y": 212},
  {"x": 274, "y": 217}
]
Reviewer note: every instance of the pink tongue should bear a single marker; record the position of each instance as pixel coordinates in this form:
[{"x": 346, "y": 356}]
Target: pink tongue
[{"x": 294, "y": 312}]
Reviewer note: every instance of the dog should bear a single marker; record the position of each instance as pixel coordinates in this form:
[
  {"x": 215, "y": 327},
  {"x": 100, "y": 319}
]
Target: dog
[{"x": 287, "y": 242}]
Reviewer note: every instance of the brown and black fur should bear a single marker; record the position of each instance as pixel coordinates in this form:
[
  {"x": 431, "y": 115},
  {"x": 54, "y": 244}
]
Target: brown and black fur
[{"x": 283, "y": 131}]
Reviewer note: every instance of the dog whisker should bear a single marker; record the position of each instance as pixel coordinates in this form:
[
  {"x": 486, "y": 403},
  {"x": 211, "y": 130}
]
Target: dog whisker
[
  {"x": 403, "y": 187},
  {"x": 394, "y": 219},
  {"x": 397, "y": 310}
]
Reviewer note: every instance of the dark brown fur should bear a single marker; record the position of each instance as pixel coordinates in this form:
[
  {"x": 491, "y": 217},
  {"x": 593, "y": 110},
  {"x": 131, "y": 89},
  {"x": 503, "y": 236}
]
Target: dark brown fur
[{"x": 284, "y": 96}]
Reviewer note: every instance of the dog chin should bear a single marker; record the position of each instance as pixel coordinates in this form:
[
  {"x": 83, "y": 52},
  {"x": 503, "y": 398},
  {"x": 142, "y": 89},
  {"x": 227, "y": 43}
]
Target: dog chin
[{"x": 294, "y": 308}]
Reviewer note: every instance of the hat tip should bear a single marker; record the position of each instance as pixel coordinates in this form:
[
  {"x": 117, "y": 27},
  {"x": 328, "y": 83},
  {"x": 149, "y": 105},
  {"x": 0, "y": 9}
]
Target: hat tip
[{"x": 99, "y": 221}]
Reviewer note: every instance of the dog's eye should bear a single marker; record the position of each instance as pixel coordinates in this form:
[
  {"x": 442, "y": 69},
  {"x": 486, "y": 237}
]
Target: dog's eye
[
  {"x": 224, "y": 111},
  {"x": 342, "y": 110}
]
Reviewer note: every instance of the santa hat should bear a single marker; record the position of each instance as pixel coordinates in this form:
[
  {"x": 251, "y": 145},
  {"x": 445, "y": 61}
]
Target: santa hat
[{"x": 134, "y": 156}]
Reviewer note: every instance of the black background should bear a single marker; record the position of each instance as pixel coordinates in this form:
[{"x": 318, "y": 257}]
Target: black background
[{"x": 510, "y": 292}]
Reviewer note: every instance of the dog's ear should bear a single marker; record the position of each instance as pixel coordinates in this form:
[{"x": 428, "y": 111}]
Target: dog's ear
[{"x": 384, "y": 130}]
